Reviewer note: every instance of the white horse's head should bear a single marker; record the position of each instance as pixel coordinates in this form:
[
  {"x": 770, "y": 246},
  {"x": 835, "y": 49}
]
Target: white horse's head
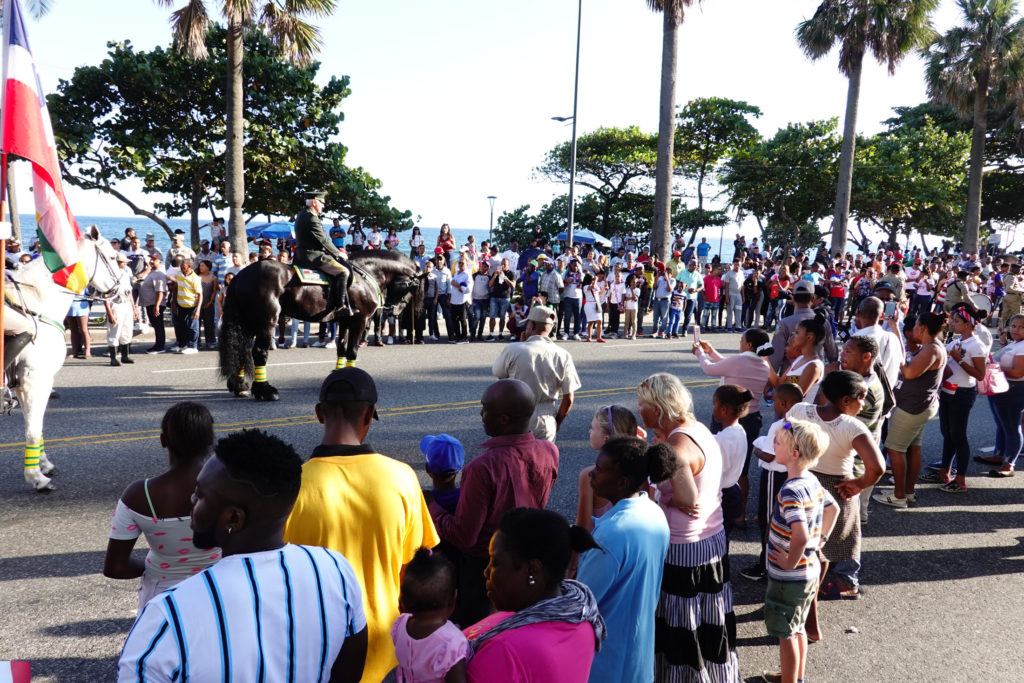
[{"x": 99, "y": 261}]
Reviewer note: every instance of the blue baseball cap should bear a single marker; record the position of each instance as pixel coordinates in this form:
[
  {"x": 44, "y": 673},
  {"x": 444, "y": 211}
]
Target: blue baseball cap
[{"x": 444, "y": 453}]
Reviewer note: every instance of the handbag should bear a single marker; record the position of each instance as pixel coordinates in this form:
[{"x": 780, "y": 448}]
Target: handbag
[{"x": 994, "y": 381}]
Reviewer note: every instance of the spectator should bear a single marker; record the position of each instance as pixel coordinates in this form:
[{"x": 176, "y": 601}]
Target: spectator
[
  {"x": 121, "y": 313},
  {"x": 460, "y": 293},
  {"x": 515, "y": 470},
  {"x": 242, "y": 500},
  {"x": 362, "y": 504},
  {"x": 501, "y": 285},
  {"x": 153, "y": 297}
]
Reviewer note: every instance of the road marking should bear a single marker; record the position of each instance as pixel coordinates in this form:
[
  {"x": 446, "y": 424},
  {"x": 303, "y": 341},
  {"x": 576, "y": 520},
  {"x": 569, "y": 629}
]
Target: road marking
[{"x": 298, "y": 420}]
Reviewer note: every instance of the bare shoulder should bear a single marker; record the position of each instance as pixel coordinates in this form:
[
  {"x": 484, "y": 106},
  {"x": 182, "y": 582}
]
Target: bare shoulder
[{"x": 135, "y": 497}]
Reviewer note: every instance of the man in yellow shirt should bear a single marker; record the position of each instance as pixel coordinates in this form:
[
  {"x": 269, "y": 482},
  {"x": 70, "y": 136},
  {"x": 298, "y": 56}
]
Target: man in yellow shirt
[
  {"x": 188, "y": 301},
  {"x": 366, "y": 506}
]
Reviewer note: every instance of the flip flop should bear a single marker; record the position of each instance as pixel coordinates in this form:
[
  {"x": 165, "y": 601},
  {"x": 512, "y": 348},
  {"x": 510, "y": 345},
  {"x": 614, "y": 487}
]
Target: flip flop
[
  {"x": 988, "y": 461},
  {"x": 1000, "y": 474},
  {"x": 833, "y": 590}
]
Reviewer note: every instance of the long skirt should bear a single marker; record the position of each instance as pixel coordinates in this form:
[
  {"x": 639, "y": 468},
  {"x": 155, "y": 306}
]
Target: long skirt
[
  {"x": 695, "y": 627},
  {"x": 844, "y": 541}
]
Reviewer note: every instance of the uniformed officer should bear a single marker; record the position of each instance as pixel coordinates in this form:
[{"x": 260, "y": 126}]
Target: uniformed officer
[
  {"x": 1012, "y": 300},
  {"x": 121, "y": 312},
  {"x": 313, "y": 249}
]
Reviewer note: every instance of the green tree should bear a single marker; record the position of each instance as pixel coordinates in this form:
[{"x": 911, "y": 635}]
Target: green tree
[
  {"x": 283, "y": 22},
  {"x": 708, "y": 131},
  {"x": 126, "y": 118},
  {"x": 911, "y": 178},
  {"x": 672, "y": 12},
  {"x": 971, "y": 64},
  {"x": 610, "y": 161},
  {"x": 888, "y": 29},
  {"x": 784, "y": 182}
]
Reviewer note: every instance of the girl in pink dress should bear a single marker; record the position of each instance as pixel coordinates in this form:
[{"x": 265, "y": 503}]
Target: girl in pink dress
[{"x": 429, "y": 648}]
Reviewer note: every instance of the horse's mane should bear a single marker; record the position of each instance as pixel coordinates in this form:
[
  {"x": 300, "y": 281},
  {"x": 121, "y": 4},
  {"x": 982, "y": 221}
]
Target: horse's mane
[{"x": 385, "y": 259}]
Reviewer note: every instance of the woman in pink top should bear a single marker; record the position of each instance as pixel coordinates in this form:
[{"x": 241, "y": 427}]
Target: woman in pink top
[
  {"x": 751, "y": 371},
  {"x": 547, "y": 627},
  {"x": 696, "y": 596}
]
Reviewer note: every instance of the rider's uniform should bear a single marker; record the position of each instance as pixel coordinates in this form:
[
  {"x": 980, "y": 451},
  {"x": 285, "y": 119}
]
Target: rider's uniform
[
  {"x": 121, "y": 304},
  {"x": 314, "y": 249}
]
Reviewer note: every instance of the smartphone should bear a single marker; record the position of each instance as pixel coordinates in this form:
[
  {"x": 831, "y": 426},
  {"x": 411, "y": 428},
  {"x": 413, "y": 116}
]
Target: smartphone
[
  {"x": 696, "y": 334},
  {"x": 890, "y": 309}
]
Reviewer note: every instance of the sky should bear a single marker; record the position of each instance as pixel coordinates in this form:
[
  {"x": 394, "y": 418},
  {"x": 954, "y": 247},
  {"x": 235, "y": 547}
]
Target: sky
[{"x": 452, "y": 99}]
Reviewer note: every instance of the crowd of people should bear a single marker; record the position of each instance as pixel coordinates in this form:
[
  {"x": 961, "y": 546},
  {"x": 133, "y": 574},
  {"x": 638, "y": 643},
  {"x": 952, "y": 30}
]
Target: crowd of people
[{"x": 473, "y": 579}]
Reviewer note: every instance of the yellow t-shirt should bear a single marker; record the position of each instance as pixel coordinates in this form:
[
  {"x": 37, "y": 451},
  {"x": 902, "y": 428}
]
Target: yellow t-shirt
[
  {"x": 190, "y": 288},
  {"x": 370, "y": 509}
]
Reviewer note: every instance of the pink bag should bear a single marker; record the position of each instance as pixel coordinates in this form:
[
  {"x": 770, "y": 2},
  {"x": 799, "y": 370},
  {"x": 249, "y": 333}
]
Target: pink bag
[{"x": 994, "y": 381}]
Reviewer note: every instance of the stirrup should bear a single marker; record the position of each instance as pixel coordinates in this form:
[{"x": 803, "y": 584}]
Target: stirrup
[{"x": 8, "y": 401}]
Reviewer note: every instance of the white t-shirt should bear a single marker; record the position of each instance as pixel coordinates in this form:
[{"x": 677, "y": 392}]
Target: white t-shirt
[
  {"x": 773, "y": 466},
  {"x": 458, "y": 295},
  {"x": 733, "y": 443},
  {"x": 972, "y": 348},
  {"x": 209, "y": 627},
  {"x": 631, "y": 304},
  {"x": 733, "y": 281},
  {"x": 837, "y": 460},
  {"x": 1007, "y": 355}
]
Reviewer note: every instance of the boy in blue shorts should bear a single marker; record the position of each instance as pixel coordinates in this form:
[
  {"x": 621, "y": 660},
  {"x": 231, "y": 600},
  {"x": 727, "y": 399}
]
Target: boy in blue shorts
[{"x": 801, "y": 523}]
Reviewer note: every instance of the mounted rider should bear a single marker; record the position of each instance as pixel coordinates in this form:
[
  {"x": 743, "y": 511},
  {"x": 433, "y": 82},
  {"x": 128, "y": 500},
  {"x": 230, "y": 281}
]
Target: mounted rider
[{"x": 313, "y": 249}]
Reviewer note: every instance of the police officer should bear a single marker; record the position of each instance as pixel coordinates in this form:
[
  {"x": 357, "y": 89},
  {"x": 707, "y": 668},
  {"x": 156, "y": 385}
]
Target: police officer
[{"x": 313, "y": 249}]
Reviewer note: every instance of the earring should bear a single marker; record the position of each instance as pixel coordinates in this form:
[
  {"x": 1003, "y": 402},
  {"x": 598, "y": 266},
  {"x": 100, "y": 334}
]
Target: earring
[
  {"x": 229, "y": 530},
  {"x": 530, "y": 580}
]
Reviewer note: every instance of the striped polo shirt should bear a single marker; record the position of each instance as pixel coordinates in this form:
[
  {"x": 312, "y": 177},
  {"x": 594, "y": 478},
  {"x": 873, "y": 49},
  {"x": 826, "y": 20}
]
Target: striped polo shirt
[
  {"x": 221, "y": 263},
  {"x": 190, "y": 289},
  {"x": 274, "y": 616},
  {"x": 801, "y": 499}
]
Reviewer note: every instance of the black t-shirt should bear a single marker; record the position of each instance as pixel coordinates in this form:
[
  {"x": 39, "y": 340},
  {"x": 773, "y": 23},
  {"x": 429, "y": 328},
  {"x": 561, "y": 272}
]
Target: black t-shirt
[{"x": 501, "y": 288}]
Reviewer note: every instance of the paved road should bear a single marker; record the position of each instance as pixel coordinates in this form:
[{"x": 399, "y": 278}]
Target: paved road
[{"x": 944, "y": 582}]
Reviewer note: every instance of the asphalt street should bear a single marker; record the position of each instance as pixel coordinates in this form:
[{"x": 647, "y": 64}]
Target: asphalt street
[{"x": 943, "y": 581}]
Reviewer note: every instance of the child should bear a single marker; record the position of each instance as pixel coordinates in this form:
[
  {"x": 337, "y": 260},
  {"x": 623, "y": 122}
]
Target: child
[
  {"x": 730, "y": 403},
  {"x": 445, "y": 457},
  {"x": 609, "y": 422},
  {"x": 676, "y": 304},
  {"x": 630, "y": 297},
  {"x": 772, "y": 473},
  {"x": 801, "y": 523},
  {"x": 595, "y": 298},
  {"x": 429, "y": 648}
]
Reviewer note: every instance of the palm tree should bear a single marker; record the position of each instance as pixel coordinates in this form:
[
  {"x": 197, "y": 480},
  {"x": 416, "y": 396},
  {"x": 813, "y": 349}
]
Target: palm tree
[
  {"x": 889, "y": 29},
  {"x": 282, "y": 21},
  {"x": 981, "y": 60},
  {"x": 672, "y": 11}
]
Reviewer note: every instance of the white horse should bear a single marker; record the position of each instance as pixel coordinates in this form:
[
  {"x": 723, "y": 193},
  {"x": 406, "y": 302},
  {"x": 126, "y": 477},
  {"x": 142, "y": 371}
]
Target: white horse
[{"x": 34, "y": 368}]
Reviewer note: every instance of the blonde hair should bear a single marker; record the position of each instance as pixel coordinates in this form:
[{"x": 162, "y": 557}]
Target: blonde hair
[
  {"x": 623, "y": 421},
  {"x": 668, "y": 394},
  {"x": 808, "y": 438}
]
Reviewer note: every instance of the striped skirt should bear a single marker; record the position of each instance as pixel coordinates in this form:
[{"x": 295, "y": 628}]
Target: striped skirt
[
  {"x": 695, "y": 628},
  {"x": 844, "y": 541}
]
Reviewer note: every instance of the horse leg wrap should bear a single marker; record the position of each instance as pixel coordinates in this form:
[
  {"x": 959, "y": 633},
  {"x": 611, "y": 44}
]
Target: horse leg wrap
[
  {"x": 32, "y": 455},
  {"x": 350, "y": 364},
  {"x": 260, "y": 373},
  {"x": 340, "y": 363}
]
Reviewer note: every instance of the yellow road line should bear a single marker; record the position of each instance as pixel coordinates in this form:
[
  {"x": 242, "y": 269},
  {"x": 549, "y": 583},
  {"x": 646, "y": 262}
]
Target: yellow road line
[{"x": 298, "y": 420}]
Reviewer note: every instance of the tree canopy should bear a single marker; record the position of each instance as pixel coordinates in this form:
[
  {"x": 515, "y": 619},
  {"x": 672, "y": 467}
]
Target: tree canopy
[{"x": 127, "y": 118}]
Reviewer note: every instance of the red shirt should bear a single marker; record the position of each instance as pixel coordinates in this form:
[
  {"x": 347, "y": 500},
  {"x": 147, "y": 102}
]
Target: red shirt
[
  {"x": 712, "y": 288},
  {"x": 516, "y": 470}
]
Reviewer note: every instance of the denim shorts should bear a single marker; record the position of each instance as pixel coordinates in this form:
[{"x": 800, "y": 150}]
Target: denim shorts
[{"x": 499, "y": 308}]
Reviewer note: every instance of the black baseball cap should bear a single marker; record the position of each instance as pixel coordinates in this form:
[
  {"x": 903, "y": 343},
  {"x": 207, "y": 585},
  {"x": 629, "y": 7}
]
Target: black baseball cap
[{"x": 349, "y": 384}]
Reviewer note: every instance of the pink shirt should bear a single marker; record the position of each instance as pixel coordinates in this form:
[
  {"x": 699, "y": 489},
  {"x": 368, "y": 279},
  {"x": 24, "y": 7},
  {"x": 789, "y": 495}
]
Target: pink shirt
[
  {"x": 712, "y": 288},
  {"x": 747, "y": 370},
  {"x": 427, "y": 660},
  {"x": 539, "y": 653},
  {"x": 682, "y": 527}
]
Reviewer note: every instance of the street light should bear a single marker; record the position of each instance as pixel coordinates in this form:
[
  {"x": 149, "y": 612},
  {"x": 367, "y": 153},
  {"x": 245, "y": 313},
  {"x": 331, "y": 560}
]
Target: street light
[
  {"x": 572, "y": 149},
  {"x": 491, "y": 229}
]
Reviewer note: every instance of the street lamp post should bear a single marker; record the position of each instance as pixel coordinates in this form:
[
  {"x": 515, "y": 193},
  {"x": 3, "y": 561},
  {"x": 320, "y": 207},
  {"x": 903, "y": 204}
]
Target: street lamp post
[
  {"x": 490, "y": 230},
  {"x": 572, "y": 148}
]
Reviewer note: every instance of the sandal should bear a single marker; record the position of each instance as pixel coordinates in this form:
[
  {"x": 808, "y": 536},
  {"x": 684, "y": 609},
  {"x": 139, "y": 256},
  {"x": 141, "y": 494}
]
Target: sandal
[
  {"x": 835, "y": 590},
  {"x": 988, "y": 461},
  {"x": 1000, "y": 474},
  {"x": 933, "y": 478}
]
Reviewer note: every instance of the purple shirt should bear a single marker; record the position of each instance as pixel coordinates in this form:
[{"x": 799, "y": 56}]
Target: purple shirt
[{"x": 516, "y": 470}]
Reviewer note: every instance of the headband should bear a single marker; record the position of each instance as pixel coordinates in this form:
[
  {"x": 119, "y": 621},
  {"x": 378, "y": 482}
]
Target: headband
[
  {"x": 611, "y": 425},
  {"x": 765, "y": 347}
]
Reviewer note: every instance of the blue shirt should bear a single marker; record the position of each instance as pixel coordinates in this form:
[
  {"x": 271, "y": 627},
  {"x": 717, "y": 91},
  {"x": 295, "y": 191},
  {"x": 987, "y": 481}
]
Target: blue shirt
[
  {"x": 221, "y": 263},
  {"x": 703, "y": 249},
  {"x": 625, "y": 577}
]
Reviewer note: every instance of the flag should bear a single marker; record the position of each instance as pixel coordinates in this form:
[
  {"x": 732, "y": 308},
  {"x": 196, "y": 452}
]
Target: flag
[
  {"x": 15, "y": 672},
  {"x": 25, "y": 130}
]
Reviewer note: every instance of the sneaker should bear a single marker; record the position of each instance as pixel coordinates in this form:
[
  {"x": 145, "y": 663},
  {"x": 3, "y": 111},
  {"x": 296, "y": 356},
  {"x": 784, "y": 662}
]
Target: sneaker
[
  {"x": 189, "y": 350},
  {"x": 562, "y": 336},
  {"x": 433, "y": 337},
  {"x": 462, "y": 341},
  {"x": 912, "y": 498},
  {"x": 154, "y": 351},
  {"x": 489, "y": 338},
  {"x": 318, "y": 345},
  {"x": 576, "y": 337},
  {"x": 330, "y": 345},
  {"x": 937, "y": 465},
  {"x": 754, "y": 572},
  {"x": 952, "y": 487},
  {"x": 890, "y": 500},
  {"x": 391, "y": 340},
  {"x": 933, "y": 478}
]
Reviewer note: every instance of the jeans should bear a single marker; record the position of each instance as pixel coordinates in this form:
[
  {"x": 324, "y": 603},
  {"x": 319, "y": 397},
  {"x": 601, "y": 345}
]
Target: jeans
[
  {"x": 156, "y": 319},
  {"x": 660, "y": 322},
  {"x": 460, "y": 325},
  {"x": 734, "y": 313},
  {"x": 954, "y": 411},
  {"x": 444, "y": 300},
  {"x": 478, "y": 316},
  {"x": 295, "y": 332},
  {"x": 571, "y": 310},
  {"x": 708, "y": 316},
  {"x": 838, "y": 305},
  {"x": 773, "y": 310},
  {"x": 687, "y": 312},
  {"x": 431, "y": 311},
  {"x": 1007, "y": 408},
  {"x": 673, "y": 321},
  {"x": 613, "y": 318},
  {"x": 186, "y": 327}
]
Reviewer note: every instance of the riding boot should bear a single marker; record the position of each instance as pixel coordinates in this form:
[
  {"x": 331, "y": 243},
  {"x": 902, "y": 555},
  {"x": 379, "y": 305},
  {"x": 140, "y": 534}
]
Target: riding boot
[
  {"x": 339, "y": 298},
  {"x": 112, "y": 352},
  {"x": 13, "y": 345},
  {"x": 124, "y": 348}
]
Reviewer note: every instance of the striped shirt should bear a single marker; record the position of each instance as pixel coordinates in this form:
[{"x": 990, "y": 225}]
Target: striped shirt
[
  {"x": 801, "y": 499},
  {"x": 190, "y": 289},
  {"x": 221, "y": 263},
  {"x": 278, "y": 615}
]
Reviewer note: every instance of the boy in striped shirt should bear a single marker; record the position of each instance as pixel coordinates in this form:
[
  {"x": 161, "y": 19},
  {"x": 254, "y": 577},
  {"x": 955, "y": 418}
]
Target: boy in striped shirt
[{"x": 800, "y": 525}]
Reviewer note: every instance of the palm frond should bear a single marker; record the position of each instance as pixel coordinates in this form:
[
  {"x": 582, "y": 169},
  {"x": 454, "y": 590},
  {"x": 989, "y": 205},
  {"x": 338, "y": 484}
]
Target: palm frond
[
  {"x": 38, "y": 8},
  {"x": 677, "y": 7},
  {"x": 189, "y": 24},
  {"x": 298, "y": 41},
  {"x": 310, "y": 8}
]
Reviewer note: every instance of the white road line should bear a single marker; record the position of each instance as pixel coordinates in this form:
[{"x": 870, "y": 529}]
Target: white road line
[{"x": 269, "y": 365}]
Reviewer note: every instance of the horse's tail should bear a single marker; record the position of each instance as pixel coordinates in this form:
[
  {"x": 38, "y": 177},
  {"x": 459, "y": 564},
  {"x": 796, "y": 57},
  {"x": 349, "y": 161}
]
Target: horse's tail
[{"x": 235, "y": 345}]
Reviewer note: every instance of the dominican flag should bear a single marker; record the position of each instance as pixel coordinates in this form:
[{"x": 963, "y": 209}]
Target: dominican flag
[
  {"x": 26, "y": 132},
  {"x": 15, "y": 672}
]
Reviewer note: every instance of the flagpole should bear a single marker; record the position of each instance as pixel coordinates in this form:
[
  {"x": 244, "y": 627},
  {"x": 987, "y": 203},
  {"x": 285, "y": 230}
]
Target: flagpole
[{"x": 3, "y": 262}]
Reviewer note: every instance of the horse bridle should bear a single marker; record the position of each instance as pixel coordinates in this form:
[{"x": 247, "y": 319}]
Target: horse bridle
[{"x": 109, "y": 294}]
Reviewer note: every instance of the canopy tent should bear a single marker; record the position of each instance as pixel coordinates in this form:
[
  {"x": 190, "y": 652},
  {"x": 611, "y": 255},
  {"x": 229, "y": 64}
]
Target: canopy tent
[
  {"x": 275, "y": 230},
  {"x": 586, "y": 237}
]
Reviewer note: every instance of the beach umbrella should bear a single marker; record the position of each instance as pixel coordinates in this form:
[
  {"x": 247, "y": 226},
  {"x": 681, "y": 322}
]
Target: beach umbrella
[
  {"x": 275, "y": 230},
  {"x": 586, "y": 237}
]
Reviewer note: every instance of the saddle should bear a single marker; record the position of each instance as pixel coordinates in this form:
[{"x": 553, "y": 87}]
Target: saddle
[{"x": 310, "y": 276}]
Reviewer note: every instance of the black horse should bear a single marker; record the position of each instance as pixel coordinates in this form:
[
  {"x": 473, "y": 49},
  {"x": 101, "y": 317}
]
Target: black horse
[{"x": 264, "y": 291}]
